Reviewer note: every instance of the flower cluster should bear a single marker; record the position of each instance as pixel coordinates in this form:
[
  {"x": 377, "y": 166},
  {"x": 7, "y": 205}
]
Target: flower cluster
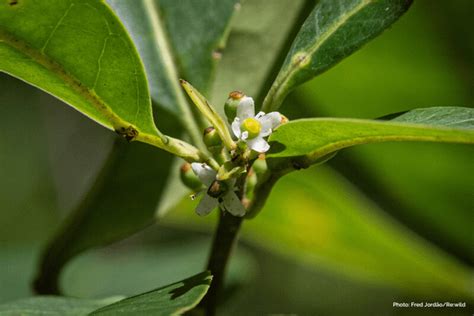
[
  {"x": 229, "y": 200},
  {"x": 250, "y": 130}
]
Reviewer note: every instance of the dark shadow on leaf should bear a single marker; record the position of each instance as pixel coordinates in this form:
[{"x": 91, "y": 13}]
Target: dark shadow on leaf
[
  {"x": 188, "y": 284},
  {"x": 391, "y": 116},
  {"x": 276, "y": 147}
]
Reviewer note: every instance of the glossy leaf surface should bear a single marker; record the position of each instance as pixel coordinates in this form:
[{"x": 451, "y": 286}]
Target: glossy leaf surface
[
  {"x": 174, "y": 299},
  {"x": 321, "y": 136},
  {"x": 333, "y": 31},
  {"x": 171, "y": 50},
  {"x": 91, "y": 66}
]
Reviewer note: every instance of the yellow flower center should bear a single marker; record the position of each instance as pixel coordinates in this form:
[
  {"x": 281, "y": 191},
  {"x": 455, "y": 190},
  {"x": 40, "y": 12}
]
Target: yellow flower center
[{"x": 252, "y": 126}]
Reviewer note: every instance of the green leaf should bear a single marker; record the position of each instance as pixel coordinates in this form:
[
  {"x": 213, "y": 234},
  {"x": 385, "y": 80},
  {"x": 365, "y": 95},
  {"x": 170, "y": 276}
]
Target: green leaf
[
  {"x": 316, "y": 138},
  {"x": 254, "y": 46},
  {"x": 452, "y": 117},
  {"x": 386, "y": 70},
  {"x": 91, "y": 66},
  {"x": 53, "y": 306},
  {"x": 142, "y": 21},
  {"x": 174, "y": 299},
  {"x": 333, "y": 31},
  {"x": 171, "y": 49},
  {"x": 96, "y": 274},
  {"x": 198, "y": 44}
]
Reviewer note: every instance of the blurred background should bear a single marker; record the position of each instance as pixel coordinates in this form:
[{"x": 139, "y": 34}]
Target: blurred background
[{"x": 377, "y": 224}]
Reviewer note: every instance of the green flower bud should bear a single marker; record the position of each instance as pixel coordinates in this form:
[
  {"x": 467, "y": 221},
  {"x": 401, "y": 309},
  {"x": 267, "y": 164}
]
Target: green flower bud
[
  {"x": 211, "y": 138},
  {"x": 188, "y": 177},
  {"x": 217, "y": 189},
  {"x": 230, "y": 106},
  {"x": 260, "y": 165},
  {"x": 251, "y": 182}
]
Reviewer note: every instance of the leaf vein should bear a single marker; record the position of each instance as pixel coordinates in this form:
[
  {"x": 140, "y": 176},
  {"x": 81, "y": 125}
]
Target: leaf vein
[
  {"x": 305, "y": 55},
  {"x": 99, "y": 61},
  {"x": 53, "y": 31},
  {"x": 330, "y": 31},
  {"x": 43, "y": 60}
]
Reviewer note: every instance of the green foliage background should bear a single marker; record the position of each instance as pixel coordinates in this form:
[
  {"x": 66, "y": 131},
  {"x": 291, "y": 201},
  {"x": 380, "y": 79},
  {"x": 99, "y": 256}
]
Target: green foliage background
[{"x": 405, "y": 232}]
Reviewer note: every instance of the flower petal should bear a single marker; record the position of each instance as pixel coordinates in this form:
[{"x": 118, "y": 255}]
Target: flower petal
[
  {"x": 269, "y": 122},
  {"x": 246, "y": 108},
  {"x": 245, "y": 135},
  {"x": 206, "y": 205},
  {"x": 236, "y": 127},
  {"x": 259, "y": 115},
  {"x": 258, "y": 144},
  {"x": 205, "y": 173},
  {"x": 232, "y": 204}
]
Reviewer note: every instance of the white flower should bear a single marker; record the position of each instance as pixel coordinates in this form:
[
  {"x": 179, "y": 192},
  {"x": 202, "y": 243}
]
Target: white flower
[
  {"x": 229, "y": 201},
  {"x": 253, "y": 128}
]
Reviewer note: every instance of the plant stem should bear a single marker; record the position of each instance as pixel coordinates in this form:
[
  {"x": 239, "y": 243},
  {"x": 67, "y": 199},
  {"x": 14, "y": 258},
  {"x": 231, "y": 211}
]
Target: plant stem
[
  {"x": 224, "y": 240},
  {"x": 47, "y": 283}
]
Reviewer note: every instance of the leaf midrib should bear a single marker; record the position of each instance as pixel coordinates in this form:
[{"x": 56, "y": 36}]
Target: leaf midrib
[
  {"x": 340, "y": 144},
  {"x": 286, "y": 75},
  {"x": 325, "y": 36},
  {"x": 382, "y": 123},
  {"x": 332, "y": 146}
]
